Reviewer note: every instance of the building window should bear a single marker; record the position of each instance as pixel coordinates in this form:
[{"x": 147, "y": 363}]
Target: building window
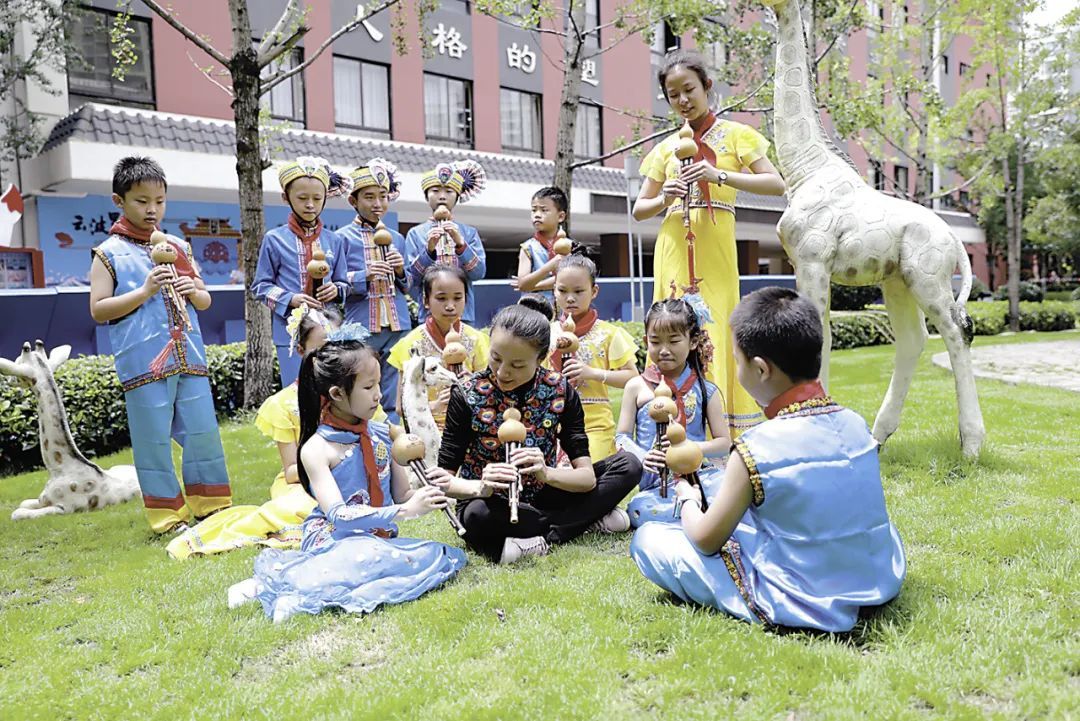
[
  {"x": 520, "y": 115},
  {"x": 877, "y": 175},
  {"x": 588, "y": 140},
  {"x": 965, "y": 199},
  {"x": 285, "y": 101},
  {"x": 900, "y": 177},
  {"x": 90, "y": 77},
  {"x": 592, "y": 20},
  {"x": 448, "y": 111},
  {"x": 361, "y": 98}
]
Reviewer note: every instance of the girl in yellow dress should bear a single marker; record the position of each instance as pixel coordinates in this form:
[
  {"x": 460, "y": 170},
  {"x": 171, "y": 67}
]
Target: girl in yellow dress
[
  {"x": 605, "y": 355},
  {"x": 444, "y": 290},
  {"x": 730, "y": 156},
  {"x": 277, "y": 522}
]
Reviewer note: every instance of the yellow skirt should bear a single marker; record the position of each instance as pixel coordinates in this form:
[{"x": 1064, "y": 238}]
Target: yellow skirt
[
  {"x": 600, "y": 427},
  {"x": 276, "y": 524},
  {"x": 717, "y": 267}
]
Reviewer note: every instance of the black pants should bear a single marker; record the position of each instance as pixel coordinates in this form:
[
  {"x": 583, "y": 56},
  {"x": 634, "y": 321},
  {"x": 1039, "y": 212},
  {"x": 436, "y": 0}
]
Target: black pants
[{"x": 557, "y": 515}]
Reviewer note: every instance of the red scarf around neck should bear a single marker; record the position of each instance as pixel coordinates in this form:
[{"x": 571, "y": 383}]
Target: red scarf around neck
[
  {"x": 796, "y": 394},
  {"x": 654, "y": 377},
  {"x": 548, "y": 243},
  {"x": 309, "y": 237},
  {"x": 581, "y": 329},
  {"x": 436, "y": 333},
  {"x": 704, "y": 152},
  {"x": 126, "y": 228},
  {"x": 367, "y": 451}
]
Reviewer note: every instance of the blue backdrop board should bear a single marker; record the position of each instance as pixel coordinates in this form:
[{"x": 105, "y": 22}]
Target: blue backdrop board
[
  {"x": 62, "y": 315},
  {"x": 70, "y": 227}
]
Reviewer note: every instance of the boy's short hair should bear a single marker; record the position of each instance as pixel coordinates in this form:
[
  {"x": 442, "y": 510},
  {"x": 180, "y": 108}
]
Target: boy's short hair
[
  {"x": 782, "y": 326},
  {"x": 136, "y": 169},
  {"x": 555, "y": 195}
]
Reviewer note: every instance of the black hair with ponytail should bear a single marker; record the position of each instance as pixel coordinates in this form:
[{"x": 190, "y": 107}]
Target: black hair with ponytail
[
  {"x": 675, "y": 315},
  {"x": 539, "y": 303},
  {"x": 335, "y": 364},
  {"x": 527, "y": 324}
]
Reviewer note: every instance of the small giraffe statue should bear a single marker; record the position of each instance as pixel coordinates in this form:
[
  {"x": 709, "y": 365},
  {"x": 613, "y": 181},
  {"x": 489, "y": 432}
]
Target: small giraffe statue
[
  {"x": 837, "y": 227},
  {"x": 75, "y": 484},
  {"x": 420, "y": 373}
]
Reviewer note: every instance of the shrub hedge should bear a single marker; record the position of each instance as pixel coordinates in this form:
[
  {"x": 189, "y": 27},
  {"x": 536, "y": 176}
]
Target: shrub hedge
[
  {"x": 1029, "y": 291},
  {"x": 95, "y": 407}
]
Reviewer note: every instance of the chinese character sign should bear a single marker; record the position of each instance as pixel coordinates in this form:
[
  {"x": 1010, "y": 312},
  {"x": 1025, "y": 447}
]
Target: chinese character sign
[
  {"x": 521, "y": 58},
  {"x": 448, "y": 41}
]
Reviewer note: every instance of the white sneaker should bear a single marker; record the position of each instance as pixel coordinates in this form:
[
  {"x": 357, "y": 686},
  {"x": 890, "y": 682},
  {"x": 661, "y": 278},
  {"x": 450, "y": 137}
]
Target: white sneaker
[
  {"x": 614, "y": 521},
  {"x": 243, "y": 592},
  {"x": 516, "y": 548}
]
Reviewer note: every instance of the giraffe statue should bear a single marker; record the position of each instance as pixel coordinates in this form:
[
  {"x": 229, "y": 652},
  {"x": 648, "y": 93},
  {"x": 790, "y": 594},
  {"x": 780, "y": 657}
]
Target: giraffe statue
[
  {"x": 420, "y": 373},
  {"x": 75, "y": 484},
  {"x": 837, "y": 227}
]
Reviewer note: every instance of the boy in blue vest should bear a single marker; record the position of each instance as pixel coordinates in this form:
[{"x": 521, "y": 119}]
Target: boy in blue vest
[
  {"x": 374, "y": 299},
  {"x": 160, "y": 358},
  {"x": 446, "y": 241}
]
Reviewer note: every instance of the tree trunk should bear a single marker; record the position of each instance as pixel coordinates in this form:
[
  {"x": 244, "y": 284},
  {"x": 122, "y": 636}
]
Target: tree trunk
[
  {"x": 564, "y": 140},
  {"x": 1012, "y": 244},
  {"x": 247, "y": 87}
]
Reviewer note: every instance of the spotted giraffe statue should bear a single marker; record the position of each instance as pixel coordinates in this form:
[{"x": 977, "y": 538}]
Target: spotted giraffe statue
[
  {"x": 419, "y": 374},
  {"x": 837, "y": 227},
  {"x": 75, "y": 484}
]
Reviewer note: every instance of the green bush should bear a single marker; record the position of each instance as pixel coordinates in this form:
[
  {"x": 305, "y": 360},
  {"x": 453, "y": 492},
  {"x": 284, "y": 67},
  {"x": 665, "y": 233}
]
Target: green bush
[
  {"x": 1075, "y": 295},
  {"x": 95, "y": 406},
  {"x": 1060, "y": 295},
  {"x": 1032, "y": 292},
  {"x": 989, "y": 317},
  {"x": 978, "y": 289},
  {"x": 855, "y": 329},
  {"x": 992, "y": 317},
  {"x": 845, "y": 297},
  {"x": 636, "y": 329}
]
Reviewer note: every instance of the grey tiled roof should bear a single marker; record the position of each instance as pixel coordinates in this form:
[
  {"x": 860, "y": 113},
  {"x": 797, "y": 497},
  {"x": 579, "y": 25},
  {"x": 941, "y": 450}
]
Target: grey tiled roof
[{"x": 143, "y": 128}]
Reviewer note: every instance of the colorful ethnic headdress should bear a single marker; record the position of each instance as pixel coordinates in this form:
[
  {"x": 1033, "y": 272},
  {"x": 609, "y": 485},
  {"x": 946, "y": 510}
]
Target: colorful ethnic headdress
[
  {"x": 318, "y": 168},
  {"x": 465, "y": 177},
  {"x": 380, "y": 173}
]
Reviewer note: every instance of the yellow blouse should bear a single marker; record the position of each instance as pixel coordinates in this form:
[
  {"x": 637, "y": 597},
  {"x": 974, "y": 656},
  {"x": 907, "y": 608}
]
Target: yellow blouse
[
  {"x": 737, "y": 146},
  {"x": 476, "y": 344},
  {"x": 606, "y": 347},
  {"x": 279, "y": 417}
]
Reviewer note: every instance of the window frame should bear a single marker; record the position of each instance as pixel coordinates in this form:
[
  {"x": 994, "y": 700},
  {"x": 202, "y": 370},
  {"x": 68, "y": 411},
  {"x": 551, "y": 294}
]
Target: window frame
[
  {"x": 366, "y": 131},
  {"x": 536, "y": 98},
  {"x": 93, "y": 96},
  {"x": 297, "y": 78},
  {"x": 584, "y": 103},
  {"x": 470, "y": 101}
]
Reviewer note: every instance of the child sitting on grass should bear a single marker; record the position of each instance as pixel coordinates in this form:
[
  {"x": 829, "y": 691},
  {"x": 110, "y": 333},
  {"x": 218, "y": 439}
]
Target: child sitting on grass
[{"x": 798, "y": 534}]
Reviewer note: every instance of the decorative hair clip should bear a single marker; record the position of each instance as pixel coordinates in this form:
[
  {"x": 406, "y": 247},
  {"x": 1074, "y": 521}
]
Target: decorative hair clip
[
  {"x": 349, "y": 332},
  {"x": 699, "y": 306}
]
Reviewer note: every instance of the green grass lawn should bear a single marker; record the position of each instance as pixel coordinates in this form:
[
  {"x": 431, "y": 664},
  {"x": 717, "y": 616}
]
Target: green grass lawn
[{"x": 97, "y": 622}]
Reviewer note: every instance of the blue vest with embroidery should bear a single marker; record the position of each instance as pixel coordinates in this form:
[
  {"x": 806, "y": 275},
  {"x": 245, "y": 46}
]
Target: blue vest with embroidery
[
  {"x": 139, "y": 337},
  {"x": 357, "y": 239},
  {"x": 816, "y": 543},
  {"x": 350, "y": 474},
  {"x": 538, "y": 255}
]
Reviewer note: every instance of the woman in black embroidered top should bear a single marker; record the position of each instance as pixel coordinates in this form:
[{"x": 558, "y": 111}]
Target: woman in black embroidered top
[{"x": 558, "y": 502}]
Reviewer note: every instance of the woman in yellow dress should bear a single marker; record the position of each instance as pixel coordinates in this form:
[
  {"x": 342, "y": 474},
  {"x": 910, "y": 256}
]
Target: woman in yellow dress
[
  {"x": 730, "y": 156},
  {"x": 276, "y": 523}
]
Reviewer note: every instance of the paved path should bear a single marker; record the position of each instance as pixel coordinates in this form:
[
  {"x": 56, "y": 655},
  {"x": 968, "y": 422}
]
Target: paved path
[{"x": 1051, "y": 363}]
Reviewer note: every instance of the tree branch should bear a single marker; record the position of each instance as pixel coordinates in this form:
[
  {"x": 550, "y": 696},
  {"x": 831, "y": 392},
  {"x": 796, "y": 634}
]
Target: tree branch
[
  {"x": 966, "y": 183},
  {"x": 839, "y": 33},
  {"x": 209, "y": 77},
  {"x": 186, "y": 32},
  {"x": 268, "y": 41},
  {"x": 509, "y": 23},
  {"x": 623, "y": 149}
]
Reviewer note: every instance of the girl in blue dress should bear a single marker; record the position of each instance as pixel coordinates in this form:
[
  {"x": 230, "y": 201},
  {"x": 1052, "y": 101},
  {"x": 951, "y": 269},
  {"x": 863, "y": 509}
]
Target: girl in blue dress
[
  {"x": 679, "y": 351},
  {"x": 350, "y": 555}
]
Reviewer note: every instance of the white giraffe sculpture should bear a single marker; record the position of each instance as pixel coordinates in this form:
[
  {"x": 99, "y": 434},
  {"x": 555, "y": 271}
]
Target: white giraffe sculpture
[
  {"x": 419, "y": 374},
  {"x": 837, "y": 227},
  {"x": 75, "y": 484}
]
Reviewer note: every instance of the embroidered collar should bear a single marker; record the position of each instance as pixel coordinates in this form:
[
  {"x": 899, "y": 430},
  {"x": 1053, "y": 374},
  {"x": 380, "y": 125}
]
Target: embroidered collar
[{"x": 797, "y": 398}]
